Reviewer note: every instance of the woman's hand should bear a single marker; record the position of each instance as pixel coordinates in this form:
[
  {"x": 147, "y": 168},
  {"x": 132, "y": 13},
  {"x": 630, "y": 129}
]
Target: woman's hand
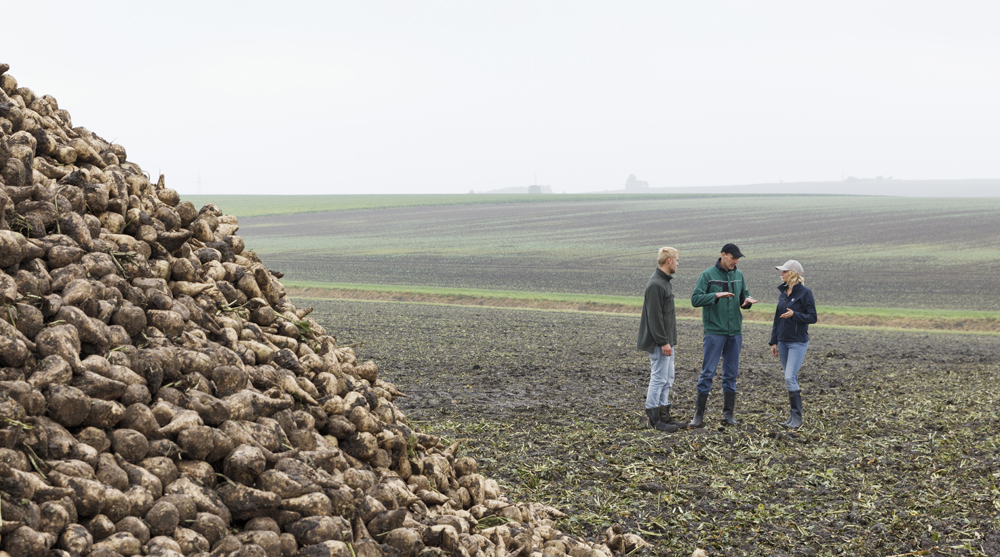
[
  {"x": 774, "y": 350},
  {"x": 788, "y": 314}
]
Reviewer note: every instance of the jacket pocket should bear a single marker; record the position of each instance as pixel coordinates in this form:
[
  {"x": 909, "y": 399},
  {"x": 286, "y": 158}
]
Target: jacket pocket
[{"x": 668, "y": 305}]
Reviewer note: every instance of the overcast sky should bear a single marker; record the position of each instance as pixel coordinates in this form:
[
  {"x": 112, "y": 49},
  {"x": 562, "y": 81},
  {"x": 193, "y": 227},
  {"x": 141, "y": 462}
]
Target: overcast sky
[{"x": 447, "y": 97}]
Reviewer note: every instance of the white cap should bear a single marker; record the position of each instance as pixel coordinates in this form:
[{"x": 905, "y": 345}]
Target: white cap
[{"x": 792, "y": 265}]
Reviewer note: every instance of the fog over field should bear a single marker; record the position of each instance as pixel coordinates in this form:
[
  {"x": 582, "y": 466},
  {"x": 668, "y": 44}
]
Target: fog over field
[{"x": 310, "y": 97}]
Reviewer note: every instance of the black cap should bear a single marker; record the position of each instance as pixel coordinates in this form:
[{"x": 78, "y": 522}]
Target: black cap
[{"x": 731, "y": 249}]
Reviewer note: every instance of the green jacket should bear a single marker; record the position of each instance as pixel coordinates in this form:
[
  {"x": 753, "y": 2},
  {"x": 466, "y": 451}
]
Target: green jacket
[
  {"x": 720, "y": 316},
  {"x": 658, "y": 325}
]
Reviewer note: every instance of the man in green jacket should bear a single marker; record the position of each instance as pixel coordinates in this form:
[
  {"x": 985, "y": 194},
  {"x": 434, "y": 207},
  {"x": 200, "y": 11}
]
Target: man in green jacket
[
  {"x": 657, "y": 337},
  {"x": 720, "y": 293}
]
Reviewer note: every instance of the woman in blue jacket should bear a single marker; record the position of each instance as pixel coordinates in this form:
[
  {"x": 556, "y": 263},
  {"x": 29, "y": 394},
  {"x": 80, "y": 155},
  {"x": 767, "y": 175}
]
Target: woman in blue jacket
[{"x": 790, "y": 332}]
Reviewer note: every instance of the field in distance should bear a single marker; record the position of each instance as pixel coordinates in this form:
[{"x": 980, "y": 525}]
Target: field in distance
[
  {"x": 266, "y": 205},
  {"x": 858, "y": 252}
]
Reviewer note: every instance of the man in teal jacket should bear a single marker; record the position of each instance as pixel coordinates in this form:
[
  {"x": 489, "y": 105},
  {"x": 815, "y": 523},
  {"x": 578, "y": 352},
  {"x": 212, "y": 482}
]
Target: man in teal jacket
[{"x": 720, "y": 293}]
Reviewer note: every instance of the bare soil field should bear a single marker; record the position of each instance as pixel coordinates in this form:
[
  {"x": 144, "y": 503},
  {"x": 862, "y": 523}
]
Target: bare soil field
[
  {"x": 899, "y": 454},
  {"x": 857, "y": 252}
]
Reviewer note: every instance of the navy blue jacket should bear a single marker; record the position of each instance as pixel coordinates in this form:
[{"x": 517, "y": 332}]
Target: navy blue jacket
[{"x": 796, "y": 328}]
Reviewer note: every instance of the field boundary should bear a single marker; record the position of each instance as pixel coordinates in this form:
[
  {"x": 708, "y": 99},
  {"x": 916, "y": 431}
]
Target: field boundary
[
  {"x": 876, "y": 318},
  {"x": 243, "y": 206}
]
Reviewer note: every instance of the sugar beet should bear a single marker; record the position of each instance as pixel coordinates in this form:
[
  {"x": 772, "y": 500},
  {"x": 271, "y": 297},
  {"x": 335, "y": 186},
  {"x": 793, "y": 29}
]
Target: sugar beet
[{"x": 175, "y": 399}]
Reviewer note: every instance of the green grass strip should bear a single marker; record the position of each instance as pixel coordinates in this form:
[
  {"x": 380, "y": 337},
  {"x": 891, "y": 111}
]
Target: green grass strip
[
  {"x": 902, "y": 329},
  {"x": 635, "y": 301},
  {"x": 908, "y": 313},
  {"x": 473, "y": 293}
]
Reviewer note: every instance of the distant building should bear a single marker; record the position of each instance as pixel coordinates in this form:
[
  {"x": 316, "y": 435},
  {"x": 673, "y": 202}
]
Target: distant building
[{"x": 534, "y": 189}]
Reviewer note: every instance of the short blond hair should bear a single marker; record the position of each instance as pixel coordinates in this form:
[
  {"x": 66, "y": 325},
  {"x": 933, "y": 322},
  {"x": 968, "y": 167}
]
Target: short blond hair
[{"x": 665, "y": 253}]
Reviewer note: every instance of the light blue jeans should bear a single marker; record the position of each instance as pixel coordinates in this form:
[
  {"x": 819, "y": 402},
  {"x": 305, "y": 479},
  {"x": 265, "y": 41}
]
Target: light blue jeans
[
  {"x": 792, "y": 354},
  {"x": 661, "y": 379},
  {"x": 725, "y": 347}
]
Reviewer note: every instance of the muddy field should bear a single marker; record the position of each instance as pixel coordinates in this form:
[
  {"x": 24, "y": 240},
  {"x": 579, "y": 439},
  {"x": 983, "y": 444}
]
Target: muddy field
[{"x": 899, "y": 454}]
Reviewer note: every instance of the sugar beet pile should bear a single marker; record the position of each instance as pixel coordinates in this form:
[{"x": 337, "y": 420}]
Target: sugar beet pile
[{"x": 159, "y": 394}]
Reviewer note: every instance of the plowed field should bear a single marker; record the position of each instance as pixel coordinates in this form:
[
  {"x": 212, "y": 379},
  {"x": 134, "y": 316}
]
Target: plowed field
[{"x": 857, "y": 252}]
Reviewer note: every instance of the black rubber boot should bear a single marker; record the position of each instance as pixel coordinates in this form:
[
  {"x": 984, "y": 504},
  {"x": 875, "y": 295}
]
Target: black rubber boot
[
  {"x": 728, "y": 405},
  {"x": 785, "y": 423},
  {"x": 699, "y": 410},
  {"x": 795, "y": 401},
  {"x": 654, "y": 420},
  {"x": 652, "y": 415},
  {"x": 667, "y": 419}
]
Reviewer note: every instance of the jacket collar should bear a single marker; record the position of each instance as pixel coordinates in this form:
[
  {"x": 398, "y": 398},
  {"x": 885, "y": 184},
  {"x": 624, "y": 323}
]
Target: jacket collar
[
  {"x": 795, "y": 289},
  {"x": 718, "y": 265},
  {"x": 660, "y": 272}
]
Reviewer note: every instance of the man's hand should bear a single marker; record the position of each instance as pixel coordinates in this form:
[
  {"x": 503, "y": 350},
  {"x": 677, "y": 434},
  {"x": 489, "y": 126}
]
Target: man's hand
[
  {"x": 724, "y": 294},
  {"x": 747, "y": 302},
  {"x": 667, "y": 350},
  {"x": 774, "y": 350}
]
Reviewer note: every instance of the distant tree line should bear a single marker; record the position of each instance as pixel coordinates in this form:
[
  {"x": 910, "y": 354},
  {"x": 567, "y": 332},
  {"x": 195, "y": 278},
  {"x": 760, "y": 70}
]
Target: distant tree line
[{"x": 634, "y": 183}]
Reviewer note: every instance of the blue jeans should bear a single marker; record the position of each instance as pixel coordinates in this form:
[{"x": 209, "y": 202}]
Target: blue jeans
[
  {"x": 792, "y": 354},
  {"x": 728, "y": 348},
  {"x": 661, "y": 379}
]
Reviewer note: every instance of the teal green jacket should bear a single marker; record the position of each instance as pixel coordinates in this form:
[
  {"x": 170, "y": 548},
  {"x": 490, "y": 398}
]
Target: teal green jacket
[{"x": 720, "y": 316}]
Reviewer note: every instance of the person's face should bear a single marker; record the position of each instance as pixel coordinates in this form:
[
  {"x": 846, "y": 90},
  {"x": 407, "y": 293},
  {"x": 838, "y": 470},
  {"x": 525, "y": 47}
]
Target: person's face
[
  {"x": 784, "y": 276},
  {"x": 728, "y": 262},
  {"x": 671, "y": 265}
]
